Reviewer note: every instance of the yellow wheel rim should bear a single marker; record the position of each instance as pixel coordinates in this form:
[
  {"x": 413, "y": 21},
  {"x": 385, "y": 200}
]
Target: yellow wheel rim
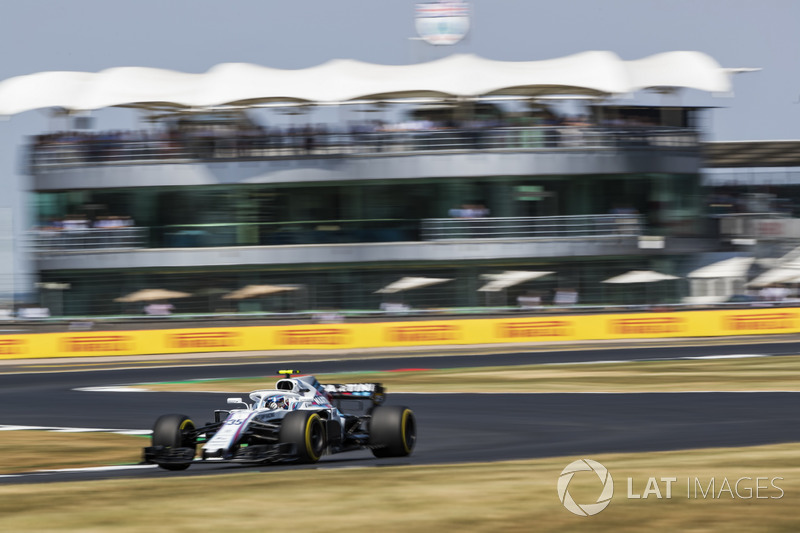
[{"x": 309, "y": 446}]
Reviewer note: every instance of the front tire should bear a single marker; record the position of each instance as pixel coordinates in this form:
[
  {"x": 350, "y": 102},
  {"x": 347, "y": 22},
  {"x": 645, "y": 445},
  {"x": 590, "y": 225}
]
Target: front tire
[
  {"x": 392, "y": 431},
  {"x": 174, "y": 431},
  {"x": 305, "y": 430}
]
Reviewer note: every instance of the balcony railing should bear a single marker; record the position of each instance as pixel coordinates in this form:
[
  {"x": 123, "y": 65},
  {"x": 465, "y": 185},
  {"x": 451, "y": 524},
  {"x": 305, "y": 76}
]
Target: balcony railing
[
  {"x": 558, "y": 227},
  {"x": 66, "y": 151},
  {"x": 91, "y": 240},
  {"x": 87, "y": 239}
]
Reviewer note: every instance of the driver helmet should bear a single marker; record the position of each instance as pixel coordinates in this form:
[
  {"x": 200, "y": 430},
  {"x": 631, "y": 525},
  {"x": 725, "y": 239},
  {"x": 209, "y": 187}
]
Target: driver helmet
[{"x": 276, "y": 402}]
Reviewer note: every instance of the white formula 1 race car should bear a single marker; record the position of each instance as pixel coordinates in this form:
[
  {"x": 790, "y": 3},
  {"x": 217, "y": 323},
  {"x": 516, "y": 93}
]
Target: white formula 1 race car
[{"x": 299, "y": 421}]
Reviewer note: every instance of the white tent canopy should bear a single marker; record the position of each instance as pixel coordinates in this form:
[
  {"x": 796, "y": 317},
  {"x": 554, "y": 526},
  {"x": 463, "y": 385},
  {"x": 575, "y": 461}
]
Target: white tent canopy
[
  {"x": 593, "y": 73},
  {"x": 151, "y": 295},
  {"x": 254, "y": 291},
  {"x": 784, "y": 274},
  {"x": 734, "y": 267},
  {"x": 407, "y": 283},
  {"x": 509, "y": 278},
  {"x": 784, "y": 270},
  {"x": 639, "y": 276}
]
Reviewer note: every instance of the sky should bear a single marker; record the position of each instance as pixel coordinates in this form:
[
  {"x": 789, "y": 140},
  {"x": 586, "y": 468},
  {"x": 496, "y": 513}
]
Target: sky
[{"x": 194, "y": 35}]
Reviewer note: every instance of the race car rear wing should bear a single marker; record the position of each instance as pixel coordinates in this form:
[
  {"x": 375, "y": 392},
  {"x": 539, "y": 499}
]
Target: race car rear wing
[{"x": 356, "y": 391}]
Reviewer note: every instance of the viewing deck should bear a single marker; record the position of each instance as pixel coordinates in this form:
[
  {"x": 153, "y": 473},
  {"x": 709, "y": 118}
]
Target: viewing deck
[{"x": 78, "y": 150}]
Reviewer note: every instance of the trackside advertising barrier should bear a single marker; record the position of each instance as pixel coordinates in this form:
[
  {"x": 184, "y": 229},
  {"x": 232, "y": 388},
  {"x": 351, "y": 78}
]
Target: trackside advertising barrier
[{"x": 531, "y": 329}]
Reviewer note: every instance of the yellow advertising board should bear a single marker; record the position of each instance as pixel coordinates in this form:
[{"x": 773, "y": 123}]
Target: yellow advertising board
[
  {"x": 426, "y": 333},
  {"x": 752, "y": 322},
  {"x": 529, "y": 329},
  {"x": 534, "y": 329},
  {"x": 645, "y": 326}
]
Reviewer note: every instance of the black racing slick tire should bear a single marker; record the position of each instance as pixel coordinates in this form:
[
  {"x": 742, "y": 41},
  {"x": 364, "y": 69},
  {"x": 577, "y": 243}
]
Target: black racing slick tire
[
  {"x": 392, "y": 431},
  {"x": 174, "y": 431},
  {"x": 305, "y": 430}
]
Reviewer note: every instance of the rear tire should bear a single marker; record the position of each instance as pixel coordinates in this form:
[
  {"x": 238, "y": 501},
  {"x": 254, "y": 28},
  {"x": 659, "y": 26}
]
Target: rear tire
[
  {"x": 392, "y": 431},
  {"x": 174, "y": 431},
  {"x": 306, "y": 431}
]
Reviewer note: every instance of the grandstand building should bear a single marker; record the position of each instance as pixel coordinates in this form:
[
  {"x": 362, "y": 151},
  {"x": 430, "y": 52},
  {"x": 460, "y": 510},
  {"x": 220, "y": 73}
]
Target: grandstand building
[{"x": 459, "y": 187}]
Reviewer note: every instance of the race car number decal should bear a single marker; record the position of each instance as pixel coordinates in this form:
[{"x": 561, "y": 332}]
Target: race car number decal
[{"x": 229, "y": 431}]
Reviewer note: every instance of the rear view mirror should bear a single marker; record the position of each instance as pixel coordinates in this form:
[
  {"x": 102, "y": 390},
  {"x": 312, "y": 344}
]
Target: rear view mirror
[{"x": 237, "y": 400}]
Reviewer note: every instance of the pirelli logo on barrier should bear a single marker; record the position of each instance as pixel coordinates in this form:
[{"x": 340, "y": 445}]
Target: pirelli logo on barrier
[
  {"x": 200, "y": 339},
  {"x": 313, "y": 337},
  {"x": 98, "y": 343},
  {"x": 758, "y": 322},
  {"x": 534, "y": 328},
  {"x": 658, "y": 325},
  {"x": 423, "y": 333},
  {"x": 13, "y": 347}
]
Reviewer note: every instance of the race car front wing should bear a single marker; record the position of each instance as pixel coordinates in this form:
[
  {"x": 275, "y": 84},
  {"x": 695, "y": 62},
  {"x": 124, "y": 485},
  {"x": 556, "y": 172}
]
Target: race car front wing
[{"x": 255, "y": 453}]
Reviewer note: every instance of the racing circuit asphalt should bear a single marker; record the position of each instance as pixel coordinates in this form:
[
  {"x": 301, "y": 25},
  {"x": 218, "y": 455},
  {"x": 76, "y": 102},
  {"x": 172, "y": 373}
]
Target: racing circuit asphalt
[{"x": 451, "y": 427}]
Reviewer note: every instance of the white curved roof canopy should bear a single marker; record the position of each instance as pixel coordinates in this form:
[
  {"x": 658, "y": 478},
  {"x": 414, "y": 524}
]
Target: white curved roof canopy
[{"x": 593, "y": 73}]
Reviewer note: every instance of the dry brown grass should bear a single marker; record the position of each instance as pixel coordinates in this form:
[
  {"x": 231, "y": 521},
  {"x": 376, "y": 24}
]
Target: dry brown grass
[
  {"x": 25, "y": 451},
  {"x": 489, "y": 497}
]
